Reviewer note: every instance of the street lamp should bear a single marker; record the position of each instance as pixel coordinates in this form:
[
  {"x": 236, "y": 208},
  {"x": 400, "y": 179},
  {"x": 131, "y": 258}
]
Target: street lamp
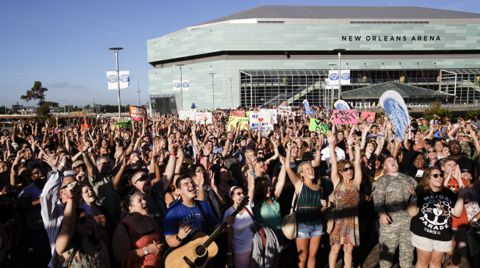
[
  {"x": 332, "y": 90},
  {"x": 181, "y": 85},
  {"x": 213, "y": 92},
  {"x": 116, "y": 50},
  {"x": 339, "y": 50}
]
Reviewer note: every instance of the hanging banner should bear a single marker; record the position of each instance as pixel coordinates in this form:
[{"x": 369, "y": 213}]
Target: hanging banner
[
  {"x": 185, "y": 85},
  {"x": 341, "y": 105},
  {"x": 345, "y": 117},
  {"x": 333, "y": 78},
  {"x": 112, "y": 80},
  {"x": 397, "y": 112},
  {"x": 204, "y": 118},
  {"x": 233, "y": 121},
  {"x": 137, "y": 113}
]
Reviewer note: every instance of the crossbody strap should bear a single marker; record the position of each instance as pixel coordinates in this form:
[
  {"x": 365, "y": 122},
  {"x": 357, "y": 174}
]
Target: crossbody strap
[{"x": 295, "y": 201}]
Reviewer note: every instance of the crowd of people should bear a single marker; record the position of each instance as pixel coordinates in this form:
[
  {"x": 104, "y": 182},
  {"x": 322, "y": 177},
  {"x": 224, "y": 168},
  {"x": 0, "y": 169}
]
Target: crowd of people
[{"x": 78, "y": 193}]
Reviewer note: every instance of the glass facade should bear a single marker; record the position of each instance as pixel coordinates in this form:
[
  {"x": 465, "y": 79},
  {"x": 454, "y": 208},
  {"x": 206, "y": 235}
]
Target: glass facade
[{"x": 271, "y": 87}]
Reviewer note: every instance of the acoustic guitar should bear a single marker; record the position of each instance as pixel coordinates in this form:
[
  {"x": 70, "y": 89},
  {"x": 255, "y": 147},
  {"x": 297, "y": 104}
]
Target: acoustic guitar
[{"x": 200, "y": 249}]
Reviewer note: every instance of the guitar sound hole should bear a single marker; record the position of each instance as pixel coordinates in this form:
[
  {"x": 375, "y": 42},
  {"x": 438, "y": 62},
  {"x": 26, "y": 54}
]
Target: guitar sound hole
[{"x": 200, "y": 250}]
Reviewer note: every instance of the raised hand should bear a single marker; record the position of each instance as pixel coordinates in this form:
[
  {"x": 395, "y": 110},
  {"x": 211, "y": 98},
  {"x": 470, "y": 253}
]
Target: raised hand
[{"x": 332, "y": 140}]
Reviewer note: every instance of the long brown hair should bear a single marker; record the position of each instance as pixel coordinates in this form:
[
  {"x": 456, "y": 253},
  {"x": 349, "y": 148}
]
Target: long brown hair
[
  {"x": 341, "y": 165},
  {"x": 424, "y": 183}
]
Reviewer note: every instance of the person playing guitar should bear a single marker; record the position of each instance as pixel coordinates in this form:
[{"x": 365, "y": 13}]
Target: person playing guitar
[{"x": 190, "y": 214}]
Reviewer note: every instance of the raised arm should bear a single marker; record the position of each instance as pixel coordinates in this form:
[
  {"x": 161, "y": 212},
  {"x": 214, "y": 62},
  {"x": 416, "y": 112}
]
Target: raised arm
[
  {"x": 292, "y": 175},
  {"x": 332, "y": 142},
  {"x": 64, "y": 238},
  {"x": 357, "y": 179},
  {"x": 281, "y": 179},
  {"x": 318, "y": 156}
]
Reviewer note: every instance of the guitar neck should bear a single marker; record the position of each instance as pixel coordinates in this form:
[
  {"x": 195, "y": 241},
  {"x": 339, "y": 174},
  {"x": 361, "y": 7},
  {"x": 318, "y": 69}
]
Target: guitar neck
[{"x": 220, "y": 228}]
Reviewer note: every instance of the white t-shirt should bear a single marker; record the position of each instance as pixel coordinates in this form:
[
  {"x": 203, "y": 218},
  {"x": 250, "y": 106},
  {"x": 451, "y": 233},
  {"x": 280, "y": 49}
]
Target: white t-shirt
[
  {"x": 326, "y": 153},
  {"x": 242, "y": 230}
]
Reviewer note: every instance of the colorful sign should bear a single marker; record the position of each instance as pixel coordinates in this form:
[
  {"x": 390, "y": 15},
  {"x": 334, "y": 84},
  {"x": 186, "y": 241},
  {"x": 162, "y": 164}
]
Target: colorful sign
[
  {"x": 273, "y": 114},
  {"x": 233, "y": 121},
  {"x": 396, "y": 111},
  {"x": 261, "y": 120},
  {"x": 345, "y": 117},
  {"x": 137, "y": 113},
  {"x": 318, "y": 125},
  {"x": 238, "y": 113},
  {"x": 368, "y": 117}
]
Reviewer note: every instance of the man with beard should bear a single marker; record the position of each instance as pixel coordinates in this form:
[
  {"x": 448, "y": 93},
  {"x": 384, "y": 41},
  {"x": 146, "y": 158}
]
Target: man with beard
[{"x": 34, "y": 237}]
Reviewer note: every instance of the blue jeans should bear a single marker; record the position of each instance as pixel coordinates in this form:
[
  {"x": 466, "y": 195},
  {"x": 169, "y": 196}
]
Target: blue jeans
[{"x": 309, "y": 231}]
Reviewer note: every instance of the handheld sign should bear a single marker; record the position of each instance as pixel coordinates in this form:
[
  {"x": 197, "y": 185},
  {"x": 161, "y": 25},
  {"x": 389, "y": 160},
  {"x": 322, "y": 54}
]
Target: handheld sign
[
  {"x": 137, "y": 113},
  {"x": 345, "y": 117},
  {"x": 238, "y": 113},
  {"x": 306, "y": 105},
  {"x": 204, "y": 118},
  {"x": 233, "y": 121},
  {"x": 318, "y": 125},
  {"x": 341, "y": 105},
  {"x": 368, "y": 117},
  {"x": 396, "y": 110}
]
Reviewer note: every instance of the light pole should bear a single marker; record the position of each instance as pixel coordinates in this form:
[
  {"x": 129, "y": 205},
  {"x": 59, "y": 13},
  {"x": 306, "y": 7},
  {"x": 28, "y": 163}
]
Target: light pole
[
  {"x": 213, "y": 92},
  {"x": 339, "y": 50},
  {"x": 332, "y": 92},
  {"x": 116, "y": 50},
  {"x": 181, "y": 85}
]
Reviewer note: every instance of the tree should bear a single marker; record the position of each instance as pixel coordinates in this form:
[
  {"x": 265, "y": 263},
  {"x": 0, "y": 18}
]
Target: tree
[{"x": 37, "y": 92}]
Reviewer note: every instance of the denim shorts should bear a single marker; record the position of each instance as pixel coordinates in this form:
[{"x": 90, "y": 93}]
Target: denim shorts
[{"x": 309, "y": 231}]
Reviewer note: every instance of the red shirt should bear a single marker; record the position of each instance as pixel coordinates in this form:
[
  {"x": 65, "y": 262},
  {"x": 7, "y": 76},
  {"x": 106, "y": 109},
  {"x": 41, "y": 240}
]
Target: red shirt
[{"x": 462, "y": 220}]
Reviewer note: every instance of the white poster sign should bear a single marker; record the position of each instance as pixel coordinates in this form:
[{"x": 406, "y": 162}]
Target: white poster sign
[
  {"x": 273, "y": 114},
  {"x": 186, "y": 115},
  {"x": 204, "y": 118},
  {"x": 185, "y": 85},
  {"x": 261, "y": 120},
  {"x": 112, "y": 80}
]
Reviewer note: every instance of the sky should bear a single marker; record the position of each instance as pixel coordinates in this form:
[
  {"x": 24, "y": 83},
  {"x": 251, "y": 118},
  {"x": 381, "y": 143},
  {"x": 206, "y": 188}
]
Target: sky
[{"x": 64, "y": 43}]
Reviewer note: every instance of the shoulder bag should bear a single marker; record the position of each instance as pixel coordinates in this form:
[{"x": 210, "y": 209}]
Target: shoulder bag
[{"x": 289, "y": 222}]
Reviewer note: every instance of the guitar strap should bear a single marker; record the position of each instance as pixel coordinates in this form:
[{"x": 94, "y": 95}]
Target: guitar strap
[{"x": 204, "y": 215}]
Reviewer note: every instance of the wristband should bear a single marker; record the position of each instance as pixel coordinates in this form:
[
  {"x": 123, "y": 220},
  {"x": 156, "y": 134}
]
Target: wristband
[{"x": 145, "y": 251}]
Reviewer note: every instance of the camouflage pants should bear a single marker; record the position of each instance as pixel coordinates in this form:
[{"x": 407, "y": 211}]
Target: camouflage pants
[{"x": 392, "y": 236}]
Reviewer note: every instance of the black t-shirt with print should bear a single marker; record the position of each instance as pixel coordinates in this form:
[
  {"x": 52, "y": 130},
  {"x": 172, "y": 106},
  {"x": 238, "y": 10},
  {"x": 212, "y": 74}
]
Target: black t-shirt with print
[{"x": 434, "y": 219}]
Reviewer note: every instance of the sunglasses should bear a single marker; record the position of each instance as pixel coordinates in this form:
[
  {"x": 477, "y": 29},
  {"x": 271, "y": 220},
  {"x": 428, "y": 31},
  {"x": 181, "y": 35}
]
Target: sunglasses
[
  {"x": 347, "y": 169},
  {"x": 436, "y": 175},
  {"x": 239, "y": 193}
]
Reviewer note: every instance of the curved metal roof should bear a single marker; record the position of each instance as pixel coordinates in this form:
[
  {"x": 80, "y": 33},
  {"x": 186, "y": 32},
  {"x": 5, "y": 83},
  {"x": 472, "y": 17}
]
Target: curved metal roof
[{"x": 346, "y": 12}]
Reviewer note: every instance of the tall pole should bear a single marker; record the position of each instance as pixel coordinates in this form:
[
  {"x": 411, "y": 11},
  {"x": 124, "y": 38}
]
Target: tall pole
[
  {"x": 138, "y": 92},
  {"x": 116, "y": 50},
  {"x": 339, "y": 74},
  {"x": 181, "y": 85},
  {"x": 213, "y": 92}
]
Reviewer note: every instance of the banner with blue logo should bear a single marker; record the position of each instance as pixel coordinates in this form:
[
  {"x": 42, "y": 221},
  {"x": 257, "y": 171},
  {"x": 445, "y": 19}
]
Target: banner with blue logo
[
  {"x": 333, "y": 77},
  {"x": 306, "y": 105},
  {"x": 185, "y": 85},
  {"x": 112, "y": 79}
]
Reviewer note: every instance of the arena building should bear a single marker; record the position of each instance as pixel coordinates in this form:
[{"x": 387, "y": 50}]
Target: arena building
[{"x": 270, "y": 54}]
